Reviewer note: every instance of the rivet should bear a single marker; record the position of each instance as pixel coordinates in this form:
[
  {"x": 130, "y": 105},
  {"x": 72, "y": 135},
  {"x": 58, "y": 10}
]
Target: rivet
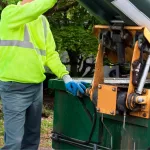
[
  {"x": 144, "y": 91},
  {"x": 98, "y": 109},
  {"x": 99, "y": 86},
  {"x": 112, "y": 112},
  {"x": 144, "y": 114},
  {"x": 114, "y": 89}
]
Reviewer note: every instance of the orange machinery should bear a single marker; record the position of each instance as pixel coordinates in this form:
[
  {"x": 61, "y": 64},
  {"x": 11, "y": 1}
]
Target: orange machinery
[{"x": 121, "y": 44}]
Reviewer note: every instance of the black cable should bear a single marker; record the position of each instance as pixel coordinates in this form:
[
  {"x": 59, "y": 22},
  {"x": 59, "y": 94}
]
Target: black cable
[
  {"x": 93, "y": 125},
  {"x": 86, "y": 110},
  {"x": 94, "y": 119}
]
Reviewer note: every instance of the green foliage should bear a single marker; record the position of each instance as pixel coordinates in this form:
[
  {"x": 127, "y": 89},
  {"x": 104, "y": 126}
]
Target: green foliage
[
  {"x": 2, "y": 127},
  {"x": 46, "y": 125},
  {"x": 4, "y": 3},
  {"x": 72, "y": 28},
  {"x": 10, "y": 1},
  {"x": 75, "y": 38},
  {"x": 1, "y": 132},
  {"x": 46, "y": 111}
]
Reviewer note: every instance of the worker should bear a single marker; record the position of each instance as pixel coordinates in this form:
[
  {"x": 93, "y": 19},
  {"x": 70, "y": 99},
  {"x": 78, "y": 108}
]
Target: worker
[{"x": 26, "y": 46}]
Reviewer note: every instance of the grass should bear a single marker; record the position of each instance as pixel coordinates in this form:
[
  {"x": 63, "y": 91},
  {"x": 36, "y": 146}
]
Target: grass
[
  {"x": 46, "y": 127},
  {"x": 1, "y": 130},
  {"x": 1, "y": 126}
]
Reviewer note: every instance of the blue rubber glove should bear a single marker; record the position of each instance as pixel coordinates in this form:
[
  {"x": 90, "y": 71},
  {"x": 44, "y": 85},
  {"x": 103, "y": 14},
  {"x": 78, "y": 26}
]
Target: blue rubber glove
[{"x": 74, "y": 87}]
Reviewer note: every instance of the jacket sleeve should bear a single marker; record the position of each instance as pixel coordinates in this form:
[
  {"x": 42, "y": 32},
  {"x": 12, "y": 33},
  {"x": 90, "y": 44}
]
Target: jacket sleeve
[
  {"x": 52, "y": 57},
  {"x": 16, "y": 15}
]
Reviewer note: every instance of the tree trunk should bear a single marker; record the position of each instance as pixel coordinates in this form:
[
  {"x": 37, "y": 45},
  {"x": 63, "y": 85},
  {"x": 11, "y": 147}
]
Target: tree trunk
[{"x": 73, "y": 56}]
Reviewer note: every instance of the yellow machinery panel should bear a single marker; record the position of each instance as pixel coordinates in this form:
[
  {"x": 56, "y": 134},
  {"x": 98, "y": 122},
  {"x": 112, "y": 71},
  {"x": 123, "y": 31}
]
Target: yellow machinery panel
[{"x": 107, "y": 96}]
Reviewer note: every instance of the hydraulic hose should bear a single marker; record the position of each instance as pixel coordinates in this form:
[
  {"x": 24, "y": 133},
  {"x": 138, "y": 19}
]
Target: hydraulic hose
[{"x": 93, "y": 119}]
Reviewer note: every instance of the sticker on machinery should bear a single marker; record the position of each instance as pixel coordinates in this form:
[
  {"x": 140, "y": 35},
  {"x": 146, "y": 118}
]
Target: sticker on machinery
[{"x": 132, "y": 12}]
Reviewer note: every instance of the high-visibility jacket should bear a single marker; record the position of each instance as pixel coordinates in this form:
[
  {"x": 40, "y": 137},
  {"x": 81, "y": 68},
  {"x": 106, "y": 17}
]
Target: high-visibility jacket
[{"x": 27, "y": 44}]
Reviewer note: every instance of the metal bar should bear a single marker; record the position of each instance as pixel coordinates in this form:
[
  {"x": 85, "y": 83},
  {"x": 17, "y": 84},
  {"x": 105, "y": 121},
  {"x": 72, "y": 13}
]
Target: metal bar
[
  {"x": 60, "y": 138},
  {"x": 124, "y": 128},
  {"x": 124, "y": 120},
  {"x": 82, "y": 145},
  {"x": 144, "y": 76},
  {"x": 75, "y": 143},
  {"x": 95, "y": 147},
  {"x": 110, "y": 80}
]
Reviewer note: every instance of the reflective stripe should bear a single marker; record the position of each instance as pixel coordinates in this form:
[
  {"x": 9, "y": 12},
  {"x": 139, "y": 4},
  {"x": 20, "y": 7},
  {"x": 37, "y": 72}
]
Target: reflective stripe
[
  {"x": 26, "y": 43},
  {"x": 44, "y": 26},
  {"x": 27, "y": 38},
  {"x": 41, "y": 52},
  {"x": 17, "y": 43},
  {"x": 26, "y": 34},
  {"x": 23, "y": 44}
]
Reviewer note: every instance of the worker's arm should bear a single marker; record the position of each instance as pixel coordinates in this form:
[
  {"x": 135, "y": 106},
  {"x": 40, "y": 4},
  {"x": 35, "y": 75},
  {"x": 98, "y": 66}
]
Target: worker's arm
[
  {"x": 54, "y": 63},
  {"x": 52, "y": 57},
  {"x": 16, "y": 15}
]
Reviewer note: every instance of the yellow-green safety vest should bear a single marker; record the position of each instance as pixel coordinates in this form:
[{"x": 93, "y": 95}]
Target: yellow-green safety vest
[{"x": 27, "y": 44}]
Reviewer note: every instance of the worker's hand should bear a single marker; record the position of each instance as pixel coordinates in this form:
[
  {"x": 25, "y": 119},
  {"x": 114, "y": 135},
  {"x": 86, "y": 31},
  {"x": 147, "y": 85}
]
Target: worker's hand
[{"x": 74, "y": 87}]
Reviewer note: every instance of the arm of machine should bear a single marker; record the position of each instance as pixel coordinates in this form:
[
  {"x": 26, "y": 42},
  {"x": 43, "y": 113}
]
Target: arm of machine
[
  {"x": 116, "y": 115},
  {"x": 124, "y": 38}
]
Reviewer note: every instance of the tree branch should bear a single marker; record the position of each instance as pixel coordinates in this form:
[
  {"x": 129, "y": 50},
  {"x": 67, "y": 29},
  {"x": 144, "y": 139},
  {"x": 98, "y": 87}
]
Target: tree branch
[
  {"x": 3, "y": 4},
  {"x": 65, "y": 8},
  {"x": 62, "y": 9}
]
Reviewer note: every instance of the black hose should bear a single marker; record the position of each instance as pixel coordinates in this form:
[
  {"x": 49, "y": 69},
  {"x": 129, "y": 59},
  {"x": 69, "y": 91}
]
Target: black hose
[
  {"x": 86, "y": 110},
  {"x": 93, "y": 125},
  {"x": 94, "y": 120}
]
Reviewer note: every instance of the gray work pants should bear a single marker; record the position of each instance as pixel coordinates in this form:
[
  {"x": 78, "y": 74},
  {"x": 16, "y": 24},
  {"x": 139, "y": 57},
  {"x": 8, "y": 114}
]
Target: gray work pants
[{"x": 22, "y": 108}]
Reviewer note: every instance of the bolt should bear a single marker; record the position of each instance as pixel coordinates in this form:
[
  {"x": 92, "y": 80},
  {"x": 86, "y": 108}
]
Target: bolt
[
  {"x": 112, "y": 112},
  {"x": 114, "y": 89},
  {"x": 140, "y": 100},
  {"x": 99, "y": 86},
  {"x": 98, "y": 109},
  {"x": 144, "y": 91},
  {"x": 144, "y": 114}
]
